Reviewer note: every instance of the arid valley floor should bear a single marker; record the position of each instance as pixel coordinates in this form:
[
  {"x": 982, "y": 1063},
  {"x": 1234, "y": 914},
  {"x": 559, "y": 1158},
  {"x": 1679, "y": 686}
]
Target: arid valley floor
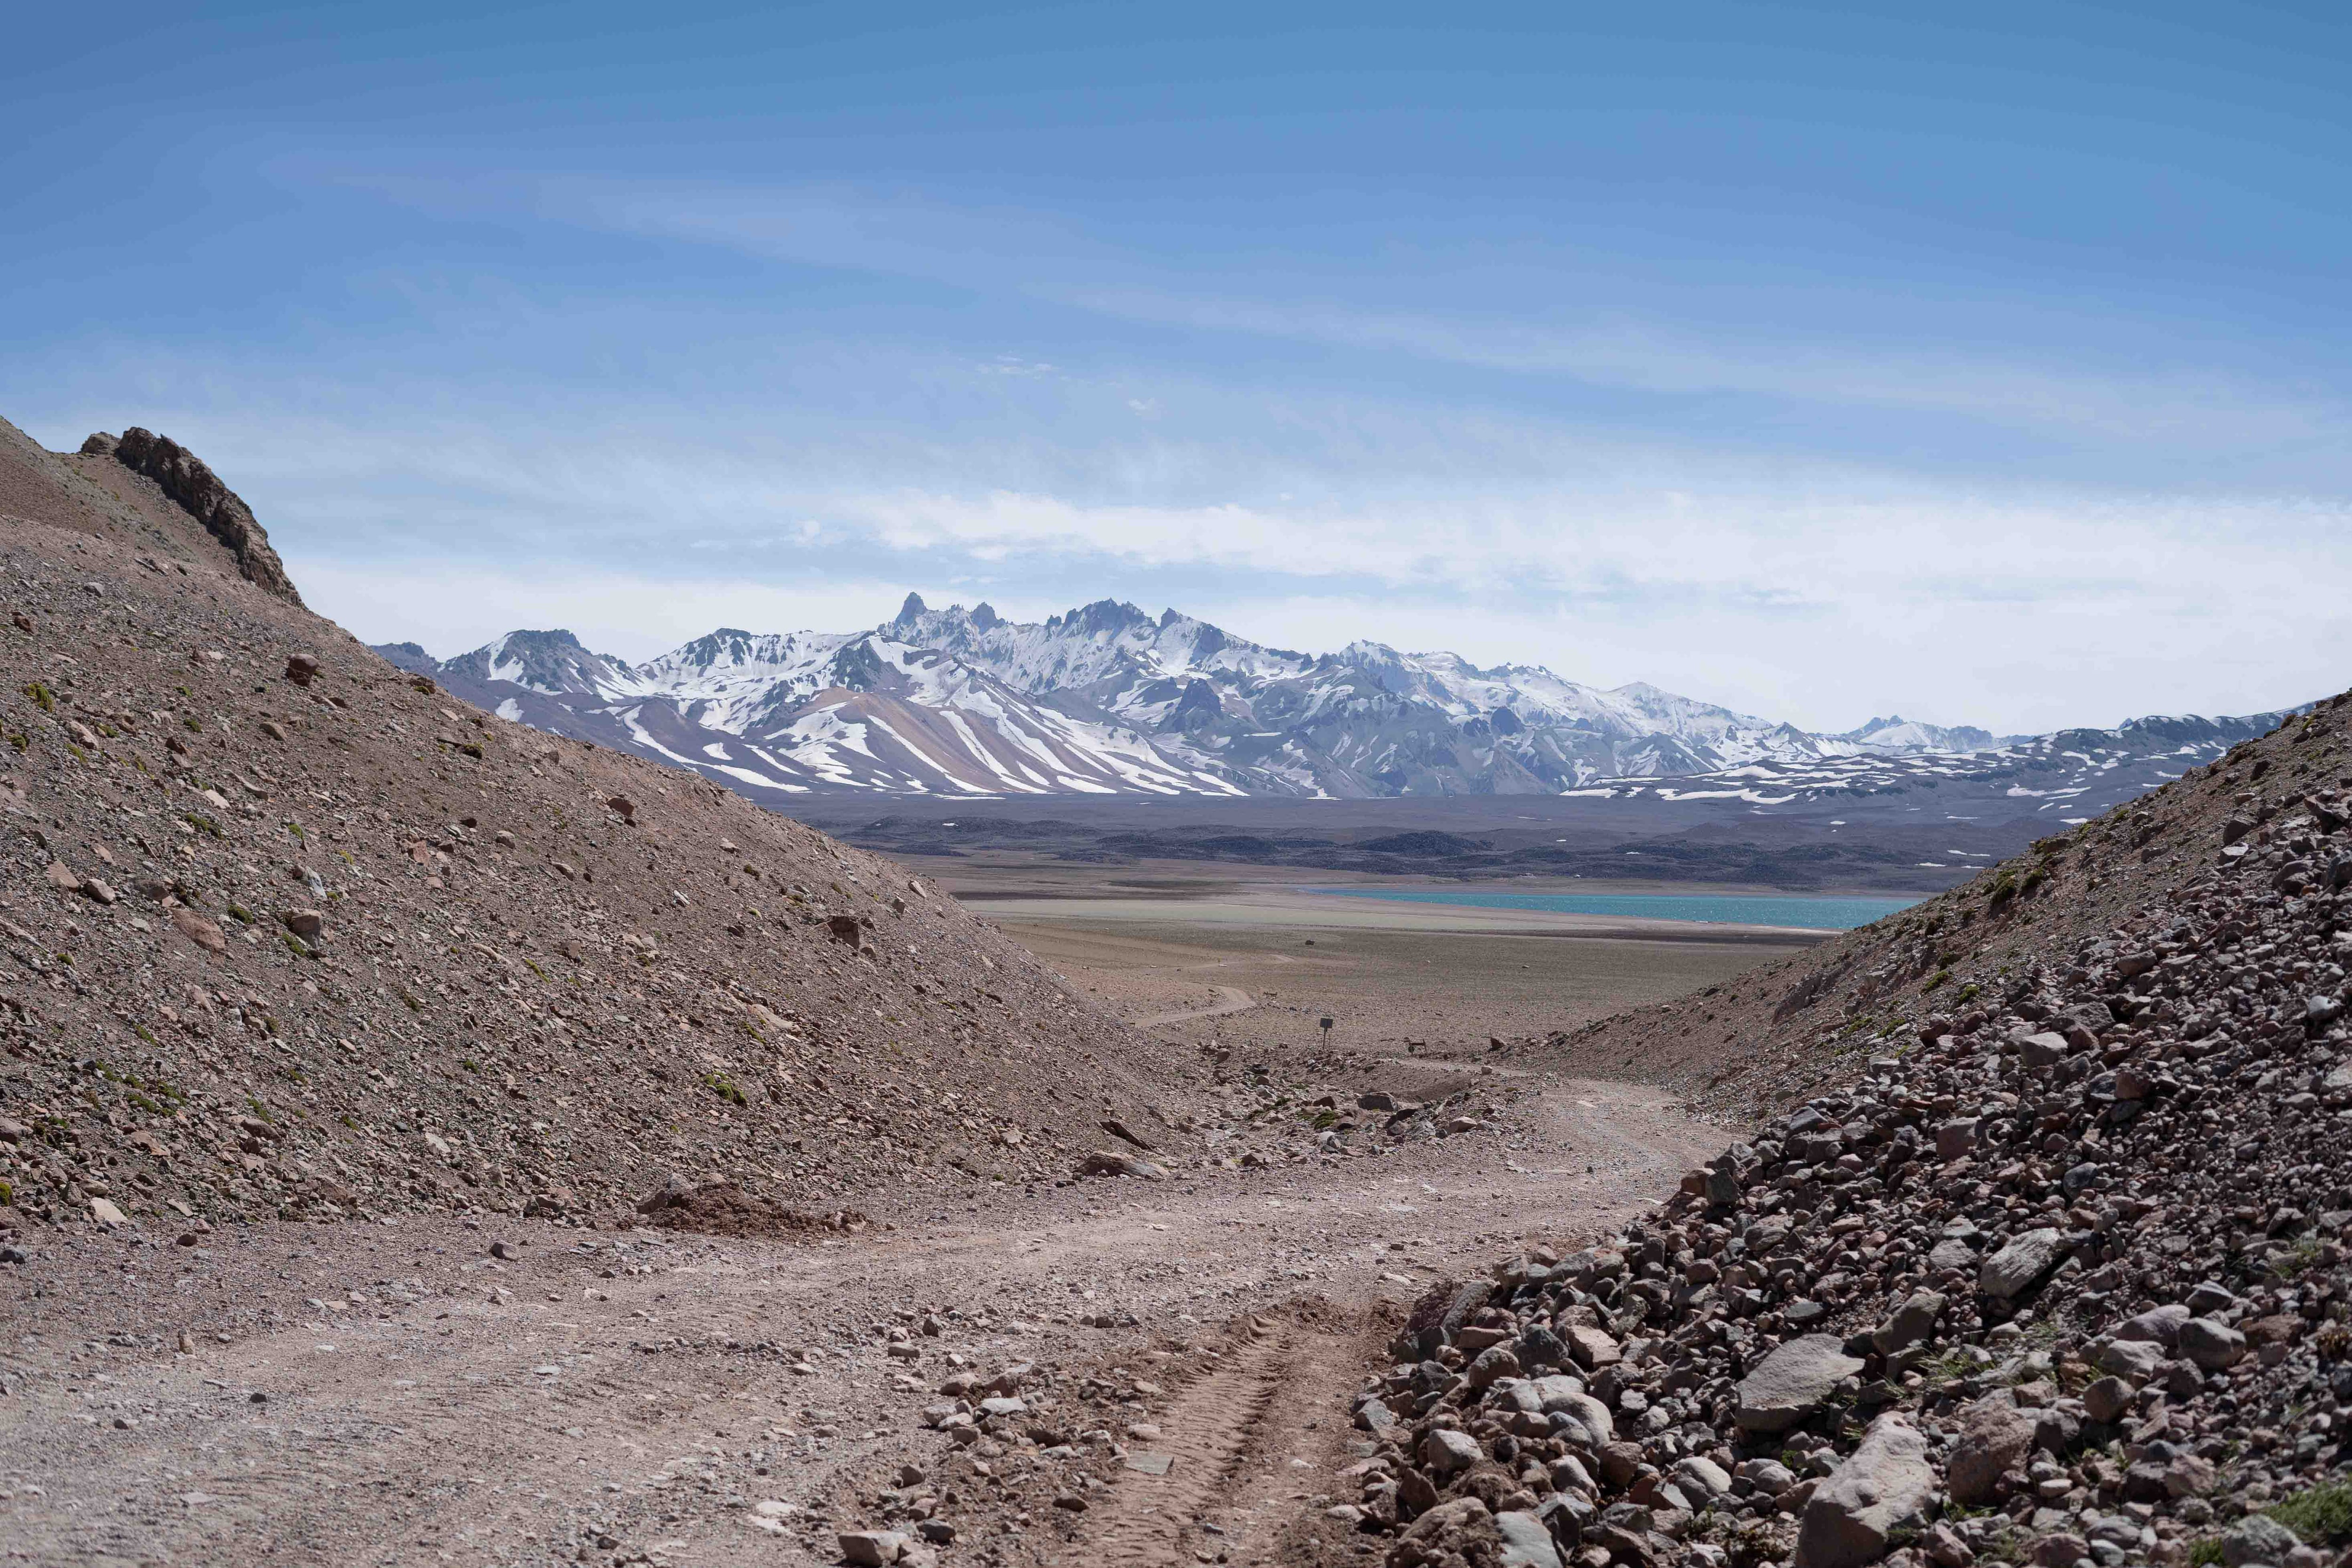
[{"x": 522, "y": 1390}]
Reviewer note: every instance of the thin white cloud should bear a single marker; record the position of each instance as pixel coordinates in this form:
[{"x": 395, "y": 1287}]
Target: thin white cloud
[
  {"x": 1048, "y": 255},
  {"x": 2210, "y": 410}
]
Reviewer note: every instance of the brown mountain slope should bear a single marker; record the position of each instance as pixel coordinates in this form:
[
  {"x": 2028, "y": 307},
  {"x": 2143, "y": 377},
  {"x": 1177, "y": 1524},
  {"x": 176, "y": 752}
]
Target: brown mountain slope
[
  {"x": 307, "y": 939},
  {"x": 2094, "y": 889}
]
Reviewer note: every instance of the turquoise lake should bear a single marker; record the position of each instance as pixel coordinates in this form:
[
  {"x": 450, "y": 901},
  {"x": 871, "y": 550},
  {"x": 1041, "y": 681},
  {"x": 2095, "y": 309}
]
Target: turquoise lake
[{"x": 1716, "y": 909}]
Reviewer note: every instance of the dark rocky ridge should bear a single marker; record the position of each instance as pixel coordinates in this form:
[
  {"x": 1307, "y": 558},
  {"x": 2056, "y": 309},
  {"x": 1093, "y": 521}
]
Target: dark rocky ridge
[{"x": 196, "y": 489}]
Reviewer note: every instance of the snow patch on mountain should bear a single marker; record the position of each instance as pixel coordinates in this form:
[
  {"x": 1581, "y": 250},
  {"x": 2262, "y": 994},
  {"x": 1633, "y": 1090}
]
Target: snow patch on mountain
[{"x": 1105, "y": 699}]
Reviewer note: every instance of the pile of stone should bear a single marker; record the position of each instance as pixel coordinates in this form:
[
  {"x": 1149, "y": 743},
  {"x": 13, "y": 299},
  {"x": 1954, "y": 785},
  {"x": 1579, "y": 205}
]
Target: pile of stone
[{"x": 2062, "y": 1279}]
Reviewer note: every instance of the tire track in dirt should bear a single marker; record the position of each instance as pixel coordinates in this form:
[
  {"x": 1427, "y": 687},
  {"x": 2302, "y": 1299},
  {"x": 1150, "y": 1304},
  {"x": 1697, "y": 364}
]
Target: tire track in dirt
[{"x": 1207, "y": 1433}]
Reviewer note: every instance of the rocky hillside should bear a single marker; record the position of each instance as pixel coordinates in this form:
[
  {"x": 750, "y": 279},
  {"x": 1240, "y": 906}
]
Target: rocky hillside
[
  {"x": 2037, "y": 1256},
  {"x": 291, "y": 932}
]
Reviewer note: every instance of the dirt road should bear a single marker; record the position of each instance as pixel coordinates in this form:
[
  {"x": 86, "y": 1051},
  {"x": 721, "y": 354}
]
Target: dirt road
[
  {"x": 1230, "y": 999},
  {"x": 398, "y": 1395}
]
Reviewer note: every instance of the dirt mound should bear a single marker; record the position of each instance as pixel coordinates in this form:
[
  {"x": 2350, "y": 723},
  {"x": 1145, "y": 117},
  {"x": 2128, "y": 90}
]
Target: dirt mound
[
  {"x": 722, "y": 1208},
  {"x": 2055, "y": 1272},
  {"x": 296, "y": 935}
]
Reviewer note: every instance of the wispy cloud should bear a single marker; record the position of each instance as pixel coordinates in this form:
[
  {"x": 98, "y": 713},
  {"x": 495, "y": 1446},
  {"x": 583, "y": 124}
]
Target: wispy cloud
[
  {"x": 2212, "y": 411},
  {"x": 1051, "y": 256}
]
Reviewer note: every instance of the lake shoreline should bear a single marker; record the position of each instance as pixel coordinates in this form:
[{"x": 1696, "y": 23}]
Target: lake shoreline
[{"x": 1777, "y": 912}]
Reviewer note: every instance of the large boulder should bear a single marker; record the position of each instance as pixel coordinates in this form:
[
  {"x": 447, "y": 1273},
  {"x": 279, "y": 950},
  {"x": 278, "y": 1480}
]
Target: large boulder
[
  {"x": 1793, "y": 1381},
  {"x": 1450, "y": 1529},
  {"x": 2133, "y": 1359},
  {"x": 2157, "y": 1326},
  {"x": 2023, "y": 1263},
  {"x": 1884, "y": 1484},
  {"x": 1994, "y": 1435},
  {"x": 1913, "y": 1322},
  {"x": 1700, "y": 1477},
  {"x": 2212, "y": 1345},
  {"x": 1491, "y": 1366},
  {"x": 2257, "y": 1538},
  {"x": 1527, "y": 1541},
  {"x": 1584, "y": 1412}
]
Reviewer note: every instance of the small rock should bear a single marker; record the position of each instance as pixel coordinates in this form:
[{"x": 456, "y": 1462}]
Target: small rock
[
  {"x": 1945, "y": 1548},
  {"x": 2189, "y": 1475},
  {"x": 2043, "y": 1050},
  {"x": 2208, "y": 1300},
  {"x": 2108, "y": 1399},
  {"x": 1109, "y": 1162},
  {"x": 1912, "y": 1323},
  {"x": 1446, "y": 1451},
  {"x": 2063, "y": 1549},
  {"x": 200, "y": 931},
  {"x": 871, "y": 1548},
  {"x": 1591, "y": 1347}
]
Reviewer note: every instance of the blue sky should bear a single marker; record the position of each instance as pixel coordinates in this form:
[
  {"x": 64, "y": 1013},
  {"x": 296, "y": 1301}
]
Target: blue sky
[{"x": 1824, "y": 362}]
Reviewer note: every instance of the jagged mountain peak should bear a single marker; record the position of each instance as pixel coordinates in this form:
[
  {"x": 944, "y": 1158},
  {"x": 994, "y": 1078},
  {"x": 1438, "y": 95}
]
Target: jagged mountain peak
[
  {"x": 1897, "y": 734},
  {"x": 554, "y": 637},
  {"x": 552, "y": 661},
  {"x": 1104, "y": 617},
  {"x": 1103, "y": 697}
]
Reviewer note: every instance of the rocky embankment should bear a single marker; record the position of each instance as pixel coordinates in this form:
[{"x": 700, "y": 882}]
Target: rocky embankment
[{"x": 2057, "y": 1275}]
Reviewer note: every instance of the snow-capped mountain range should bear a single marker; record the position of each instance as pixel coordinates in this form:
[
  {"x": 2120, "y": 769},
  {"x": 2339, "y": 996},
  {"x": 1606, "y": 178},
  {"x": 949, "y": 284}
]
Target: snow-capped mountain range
[{"x": 1108, "y": 700}]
